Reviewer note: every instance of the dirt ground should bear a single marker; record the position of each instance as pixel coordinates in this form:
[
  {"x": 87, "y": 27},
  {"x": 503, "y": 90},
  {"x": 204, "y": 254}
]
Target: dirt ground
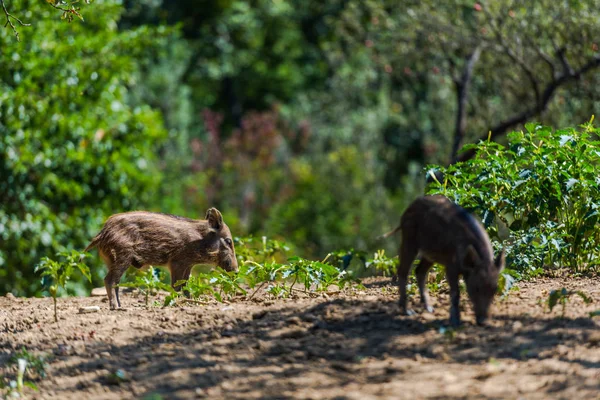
[{"x": 341, "y": 345}]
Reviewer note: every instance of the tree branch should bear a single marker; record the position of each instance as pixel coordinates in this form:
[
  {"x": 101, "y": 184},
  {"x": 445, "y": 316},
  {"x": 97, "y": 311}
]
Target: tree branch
[
  {"x": 9, "y": 22},
  {"x": 513, "y": 56},
  {"x": 563, "y": 60},
  {"x": 549, "y": 91},
  {"x": 545, "y": 57},
  {"x": 68, "y": 12}
]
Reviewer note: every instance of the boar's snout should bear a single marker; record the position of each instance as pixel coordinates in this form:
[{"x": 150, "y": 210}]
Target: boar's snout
[
  {"x": 481, "y": 290},
  {"x": 229, "y": 264},
  {"x": 482, "y": 308}
]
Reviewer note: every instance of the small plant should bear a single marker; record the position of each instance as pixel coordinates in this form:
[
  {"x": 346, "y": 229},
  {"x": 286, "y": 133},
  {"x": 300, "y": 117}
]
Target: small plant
[
  {"x": 277, "y": 290},
  {"x": 281, "y": 278},
  {"x": 256, "y": 274},
  {"x": 149, "y": 283},
  {"x": 506, "y": 282},
  {"x": 218, "y": 284},
  {"x": 195, "y": 288},
  {"x": 117, "y": 377},
  {"x": 228, "y": 284},
  {"x": 263, "y": 250},
  {"x": 383, "y": 264},
  {"x": 59, "y": 272},
  {"x": 316, "y": 274},
  {"x": 437, "y": 278},
  {"x": 14, "y": 387},
  {"x": 449, "y": 333},
  {"x": 25, "y": 365},
  {"x": 36, "y": 365},
  {"x": 561, "y": 296},
  {"x": 343, "y": 258},
  {"x": 260, "y": 269}
]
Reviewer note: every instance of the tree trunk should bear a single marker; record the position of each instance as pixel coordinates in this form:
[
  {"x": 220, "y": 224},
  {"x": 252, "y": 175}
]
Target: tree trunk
[{"x": 462, "y": 90}]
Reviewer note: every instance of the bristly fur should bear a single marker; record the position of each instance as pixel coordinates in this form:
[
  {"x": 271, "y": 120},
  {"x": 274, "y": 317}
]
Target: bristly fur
[
  {"x": 443, "y": 232},
  {"x": 140, "y": 238}
]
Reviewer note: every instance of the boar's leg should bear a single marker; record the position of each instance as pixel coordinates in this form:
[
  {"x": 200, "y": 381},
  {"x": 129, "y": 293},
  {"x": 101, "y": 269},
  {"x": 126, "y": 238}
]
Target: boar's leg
[
  {"x": 110, "y": 291},
  {"x": 452, "y": 272},
  {"x": 115, "y": 272},
  {"x": 408, "y": 252},
  {"x": 422, "y": 271},
  {"x": 180, "y": 271}
]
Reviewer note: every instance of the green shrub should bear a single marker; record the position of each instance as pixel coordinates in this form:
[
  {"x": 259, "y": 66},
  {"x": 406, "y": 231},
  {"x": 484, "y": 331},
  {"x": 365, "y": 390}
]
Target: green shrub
[
  {"x": 72, "y": 148},
  {"x": 542, "y": 188}
]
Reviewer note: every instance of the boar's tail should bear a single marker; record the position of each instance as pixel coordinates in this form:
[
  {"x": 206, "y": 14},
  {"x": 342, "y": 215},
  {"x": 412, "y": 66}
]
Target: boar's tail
[
  {"x": 94, "y": 241},
  {"x": 387, "y": 235}
]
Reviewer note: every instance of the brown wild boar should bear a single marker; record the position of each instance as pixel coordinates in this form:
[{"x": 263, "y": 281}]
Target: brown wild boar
[
  {"x": 141, "y": 238},
  {"x": 443, "y": 232}
]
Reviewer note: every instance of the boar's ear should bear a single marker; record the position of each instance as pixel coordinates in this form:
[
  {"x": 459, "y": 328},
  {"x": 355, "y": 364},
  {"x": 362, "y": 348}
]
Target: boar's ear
[
  {"x": 214, "y": 218},
  {"x": 500, "y": 260},
  {"x": 472, "y": 256}
]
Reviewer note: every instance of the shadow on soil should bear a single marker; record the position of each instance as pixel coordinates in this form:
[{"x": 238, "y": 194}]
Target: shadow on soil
[{"x": 333, "y": 336}]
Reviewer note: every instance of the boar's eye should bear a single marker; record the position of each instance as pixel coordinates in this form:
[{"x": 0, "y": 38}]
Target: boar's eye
[{"x": 229, "y": 242}]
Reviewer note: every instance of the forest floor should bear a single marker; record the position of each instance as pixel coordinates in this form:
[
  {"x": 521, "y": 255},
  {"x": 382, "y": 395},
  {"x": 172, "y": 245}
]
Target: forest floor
[{"x": 341, "y": 345}]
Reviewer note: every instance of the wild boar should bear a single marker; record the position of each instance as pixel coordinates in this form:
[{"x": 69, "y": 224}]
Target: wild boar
[
  {"x": 443, "y": 232},
  {"x": 141, "y": 238}
]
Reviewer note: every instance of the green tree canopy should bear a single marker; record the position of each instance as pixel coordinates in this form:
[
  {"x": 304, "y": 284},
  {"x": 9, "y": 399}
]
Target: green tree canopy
[{"x": 72, "y": 149}]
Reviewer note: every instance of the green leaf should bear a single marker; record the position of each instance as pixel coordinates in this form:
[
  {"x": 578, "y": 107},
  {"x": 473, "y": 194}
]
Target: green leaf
[
  {"x": 85, "y": 271},
  {"x": 586, "y": 299},
  {"x": 169, "y": 300},
  {"x": 553, "y": 298}
]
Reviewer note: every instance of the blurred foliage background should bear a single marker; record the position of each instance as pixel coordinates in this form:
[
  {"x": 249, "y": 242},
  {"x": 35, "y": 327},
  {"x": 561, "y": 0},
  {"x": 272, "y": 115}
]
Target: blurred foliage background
[{"x": 304, "y": 120}]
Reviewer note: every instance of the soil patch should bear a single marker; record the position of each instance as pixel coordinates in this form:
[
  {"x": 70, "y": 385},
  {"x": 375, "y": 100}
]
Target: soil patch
[{"x": 341, "y": 345}]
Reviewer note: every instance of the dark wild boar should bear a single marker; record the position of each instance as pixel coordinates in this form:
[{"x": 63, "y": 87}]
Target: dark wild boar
[
  {"x": 141, "y": 238},
  {"x": 443, "y": 232}
]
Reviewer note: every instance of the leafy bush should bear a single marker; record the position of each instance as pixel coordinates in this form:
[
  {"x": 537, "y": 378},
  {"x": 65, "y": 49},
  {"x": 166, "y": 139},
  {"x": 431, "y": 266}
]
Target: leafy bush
[
  {"x": 543, "y": 186},
  {"x": 72, "y": 150}
]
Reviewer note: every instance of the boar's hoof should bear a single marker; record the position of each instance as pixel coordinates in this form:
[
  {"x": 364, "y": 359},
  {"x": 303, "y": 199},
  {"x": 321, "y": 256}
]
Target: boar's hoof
[
  {"x": 407, "y": 311},
  {"x": 454, "y": 322}
]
